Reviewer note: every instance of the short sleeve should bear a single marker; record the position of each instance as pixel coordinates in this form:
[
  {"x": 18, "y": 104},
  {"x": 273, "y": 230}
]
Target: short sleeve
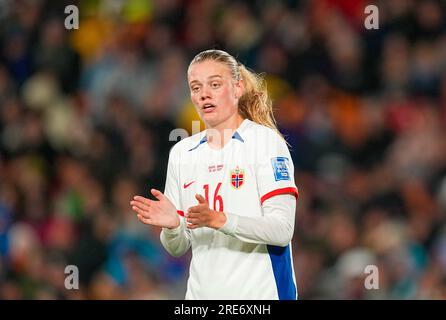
[
  {"x": 172, "y": 187},
  {"x": 275, "y": 168}
]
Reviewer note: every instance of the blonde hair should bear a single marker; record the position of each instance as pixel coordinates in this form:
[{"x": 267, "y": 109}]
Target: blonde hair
[{"x": 255, "y": 103}]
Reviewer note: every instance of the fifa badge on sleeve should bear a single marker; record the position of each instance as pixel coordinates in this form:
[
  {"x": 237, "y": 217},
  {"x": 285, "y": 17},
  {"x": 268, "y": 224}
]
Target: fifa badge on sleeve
[{"x": 280, "y": 168}]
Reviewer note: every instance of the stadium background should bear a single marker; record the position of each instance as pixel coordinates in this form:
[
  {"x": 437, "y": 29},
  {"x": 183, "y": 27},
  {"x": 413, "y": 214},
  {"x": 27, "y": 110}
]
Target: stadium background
[{"x": 85, "y": 118}]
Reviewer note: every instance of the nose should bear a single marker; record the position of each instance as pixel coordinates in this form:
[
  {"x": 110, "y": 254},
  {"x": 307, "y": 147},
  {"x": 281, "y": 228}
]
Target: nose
[{"x": 205, "y": 94}]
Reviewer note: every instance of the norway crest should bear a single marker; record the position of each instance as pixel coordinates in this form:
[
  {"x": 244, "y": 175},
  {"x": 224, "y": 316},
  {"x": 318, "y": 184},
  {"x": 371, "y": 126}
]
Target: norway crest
[{"x": 237, "y": 177}]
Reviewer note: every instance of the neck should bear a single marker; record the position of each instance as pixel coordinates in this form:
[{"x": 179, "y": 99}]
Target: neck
[{"x": 222, "y": 133}]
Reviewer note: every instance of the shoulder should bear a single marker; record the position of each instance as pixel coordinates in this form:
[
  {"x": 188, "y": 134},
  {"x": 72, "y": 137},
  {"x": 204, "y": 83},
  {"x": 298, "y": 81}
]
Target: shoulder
[{"x": 263, "y": 137}]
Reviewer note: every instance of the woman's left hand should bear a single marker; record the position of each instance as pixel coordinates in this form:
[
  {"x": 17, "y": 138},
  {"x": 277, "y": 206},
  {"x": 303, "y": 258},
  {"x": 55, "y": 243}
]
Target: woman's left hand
[{"x": 202, "y": 216}]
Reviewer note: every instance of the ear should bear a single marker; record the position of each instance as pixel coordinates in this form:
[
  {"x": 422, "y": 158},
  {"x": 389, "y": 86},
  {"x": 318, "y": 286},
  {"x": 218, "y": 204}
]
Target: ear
[{"x": 239, "y": 89}]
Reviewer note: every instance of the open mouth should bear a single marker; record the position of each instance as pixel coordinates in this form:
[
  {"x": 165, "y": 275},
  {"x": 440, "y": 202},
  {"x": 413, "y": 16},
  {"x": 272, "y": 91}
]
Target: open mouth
[{"x": 208, "y": 107}]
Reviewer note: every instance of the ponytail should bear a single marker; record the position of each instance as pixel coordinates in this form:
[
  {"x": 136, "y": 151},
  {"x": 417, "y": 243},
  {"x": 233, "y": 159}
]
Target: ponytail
[{"x": 255, "y": 103}]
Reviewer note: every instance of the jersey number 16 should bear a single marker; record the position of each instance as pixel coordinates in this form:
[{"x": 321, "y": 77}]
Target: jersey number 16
[{"x": 217, "y": 197}]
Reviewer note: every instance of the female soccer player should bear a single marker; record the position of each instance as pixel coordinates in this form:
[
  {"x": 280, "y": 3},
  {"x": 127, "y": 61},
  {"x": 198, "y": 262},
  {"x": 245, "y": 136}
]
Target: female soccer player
[{"x": 230, "y": 191}]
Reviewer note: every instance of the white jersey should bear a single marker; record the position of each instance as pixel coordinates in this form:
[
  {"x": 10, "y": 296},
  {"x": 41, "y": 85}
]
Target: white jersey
[{"x": 241, "y": 260}]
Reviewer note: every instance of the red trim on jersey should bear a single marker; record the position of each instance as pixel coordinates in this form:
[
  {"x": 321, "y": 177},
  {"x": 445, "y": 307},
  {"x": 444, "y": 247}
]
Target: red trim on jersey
[
  {"x": 276, "y": 192},
  {"x": 181, "y": 213}
]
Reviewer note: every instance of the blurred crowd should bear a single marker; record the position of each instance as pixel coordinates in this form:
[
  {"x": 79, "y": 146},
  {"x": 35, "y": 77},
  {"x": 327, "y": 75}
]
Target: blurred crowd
[{"x": 87, "y": 118}]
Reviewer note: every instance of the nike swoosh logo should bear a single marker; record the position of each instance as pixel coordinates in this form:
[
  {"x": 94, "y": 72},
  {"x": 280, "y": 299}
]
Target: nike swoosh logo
[{"x": 188, "y": 184}]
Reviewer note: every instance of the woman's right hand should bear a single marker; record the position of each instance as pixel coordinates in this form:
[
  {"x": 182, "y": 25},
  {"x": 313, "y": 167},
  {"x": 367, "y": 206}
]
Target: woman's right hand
[{"x": 161, "y": 213}]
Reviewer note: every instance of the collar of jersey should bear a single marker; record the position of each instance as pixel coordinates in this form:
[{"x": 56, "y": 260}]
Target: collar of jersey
[{"x": 236, "y": 136}]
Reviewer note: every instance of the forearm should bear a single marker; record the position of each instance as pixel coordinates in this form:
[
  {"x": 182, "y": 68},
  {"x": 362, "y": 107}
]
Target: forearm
[
  {"x": 275, "y": 227},
  {"x": 176, "y": 241}
]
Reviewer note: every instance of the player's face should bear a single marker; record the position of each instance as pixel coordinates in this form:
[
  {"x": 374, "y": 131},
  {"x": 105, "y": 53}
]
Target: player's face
[{"x": 214, "y": 93}]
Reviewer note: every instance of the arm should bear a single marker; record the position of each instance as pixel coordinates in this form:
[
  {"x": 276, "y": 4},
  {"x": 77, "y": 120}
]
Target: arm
[
  {"x": 275, "y": 227},
  {"x": 176, "y": 241},
  {"x": 278, "y": 195}
]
